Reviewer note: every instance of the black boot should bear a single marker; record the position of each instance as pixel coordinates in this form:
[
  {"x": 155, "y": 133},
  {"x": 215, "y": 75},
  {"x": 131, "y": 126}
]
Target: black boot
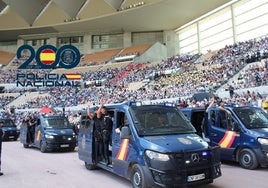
[{"x": 107, "y": 161}]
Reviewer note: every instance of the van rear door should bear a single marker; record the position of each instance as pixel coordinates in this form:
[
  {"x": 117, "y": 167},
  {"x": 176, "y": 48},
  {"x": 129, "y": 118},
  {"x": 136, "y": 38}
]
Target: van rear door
[{"x": 85, "y": 139}]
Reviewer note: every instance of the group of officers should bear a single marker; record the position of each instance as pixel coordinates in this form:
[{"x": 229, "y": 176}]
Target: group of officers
[
  {"x": 31, "y": 122},
  {"x": 102, "y": 133},
  {"x": 103, "y": 128}
]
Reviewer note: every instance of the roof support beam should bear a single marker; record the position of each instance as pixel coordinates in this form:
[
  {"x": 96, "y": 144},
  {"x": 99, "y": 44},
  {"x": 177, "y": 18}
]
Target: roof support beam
[
  {"x": 29, "y": 10},
  {"x": 71, "y": 7}
]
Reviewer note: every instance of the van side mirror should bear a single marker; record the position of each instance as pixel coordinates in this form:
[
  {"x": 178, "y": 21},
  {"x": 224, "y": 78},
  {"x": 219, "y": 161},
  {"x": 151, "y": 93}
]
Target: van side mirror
[{"x": 125, "y": 132}]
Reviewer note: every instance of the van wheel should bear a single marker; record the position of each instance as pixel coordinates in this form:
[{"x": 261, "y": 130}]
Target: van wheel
[
  {"x": 137, "y": 177},
  {"x": 247, "y": 159},
  {"x": 90, "y": 166},
  {"x": 43, "y": 147}
]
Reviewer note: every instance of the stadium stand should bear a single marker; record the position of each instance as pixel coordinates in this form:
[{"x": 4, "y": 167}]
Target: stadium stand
[
  {"x": 131, "y": 52},
  {"x": 5, "y": 58},
  {"x": 242, "y": 65},
  {"x": 101, "y": 57}
]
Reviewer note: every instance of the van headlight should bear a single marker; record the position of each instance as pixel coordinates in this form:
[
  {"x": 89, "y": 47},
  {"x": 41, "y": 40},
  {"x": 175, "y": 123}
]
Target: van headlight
[
  {"x": 156, "y": 156},
  {"x": 263, "y": 141},
  {"x": 48, "y": 136}
]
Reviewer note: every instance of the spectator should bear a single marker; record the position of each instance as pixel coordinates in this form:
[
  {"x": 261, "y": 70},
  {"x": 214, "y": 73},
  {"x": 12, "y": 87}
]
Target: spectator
[{"x": 231, "y": 91}]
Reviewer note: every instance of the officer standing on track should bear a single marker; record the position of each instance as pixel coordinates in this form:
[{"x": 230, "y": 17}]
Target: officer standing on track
[{"x": 1, "y": 136}]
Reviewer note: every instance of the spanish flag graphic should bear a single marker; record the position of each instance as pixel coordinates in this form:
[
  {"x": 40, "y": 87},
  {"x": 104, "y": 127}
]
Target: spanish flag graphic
[
  {"x": 47, "y": 56},
  {"x": 122, "y": 153},
  {"x": 38, "y": 135},
  {"x": 73, "y": 76},
  {"x": 228, "y": 139}
]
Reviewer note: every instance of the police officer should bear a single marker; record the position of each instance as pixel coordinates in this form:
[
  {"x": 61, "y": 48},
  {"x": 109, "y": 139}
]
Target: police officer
[
  {"x": 223, "y": 113},
  {"x": 204, "y": 125},
  {"x": 125, "y": 123},
  {"x": 106, "y": 129},
  {"x": 98, "y": 151},
  {"x": 31, "y": 123},
  {"x": 1, "y": 135}
]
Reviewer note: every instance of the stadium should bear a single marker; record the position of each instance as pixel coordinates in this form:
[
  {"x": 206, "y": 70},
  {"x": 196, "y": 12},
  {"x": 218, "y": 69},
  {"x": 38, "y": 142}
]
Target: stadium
[{"x": 150, "y": 50}]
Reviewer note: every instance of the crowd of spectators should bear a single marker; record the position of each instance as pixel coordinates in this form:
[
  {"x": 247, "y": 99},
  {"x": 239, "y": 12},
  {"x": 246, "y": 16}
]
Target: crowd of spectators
[
  {"x": 5, "y": 100},
  {"x": 9, "y": 76},
  {"x": 192, "y": 76}
]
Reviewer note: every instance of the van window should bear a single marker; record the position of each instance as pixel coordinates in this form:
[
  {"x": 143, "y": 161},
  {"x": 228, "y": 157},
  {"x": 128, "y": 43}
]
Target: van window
[
  {"x": 252, "y": 118},
  {"x": 160, "y": 120},
  {"x": 223, "y": 119},
  {"x": 8, "y": 123},
  {"x": 213, "y": 117},
  {"x": 120, "y": 119},
  {"x": 57, "y": 123},
  {"x": 85, "y": 121}
]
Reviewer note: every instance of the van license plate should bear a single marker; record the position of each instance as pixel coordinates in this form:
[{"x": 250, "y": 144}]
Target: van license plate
[
  {"x": 64, "y": 145},
  {"x": 196, "y": 177}
]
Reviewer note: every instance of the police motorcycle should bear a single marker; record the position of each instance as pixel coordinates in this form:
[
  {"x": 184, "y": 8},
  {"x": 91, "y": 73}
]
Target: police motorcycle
[{"x": 151, "y": 152}]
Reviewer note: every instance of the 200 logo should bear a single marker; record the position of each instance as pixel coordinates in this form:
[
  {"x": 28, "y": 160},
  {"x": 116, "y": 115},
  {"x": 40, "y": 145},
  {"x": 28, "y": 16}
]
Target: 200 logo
[{"x": 48, "y": 57}]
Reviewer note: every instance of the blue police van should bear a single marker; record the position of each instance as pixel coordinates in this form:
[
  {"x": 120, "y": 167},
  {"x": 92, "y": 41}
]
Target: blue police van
[
  {"x": 158, "y": 148},
  {"x": 52, "y": 132},
  {"x": 10, "y": 130},
  {"x": 242, "y": 134}
]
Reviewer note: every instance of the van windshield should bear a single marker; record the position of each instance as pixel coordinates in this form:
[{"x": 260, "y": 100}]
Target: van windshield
[
  {"x": 8, "y": 123},
  {"x": 57, "y": 123},
  {"x": 252, "y": 117},
  {"x": 160, "y": 120}
]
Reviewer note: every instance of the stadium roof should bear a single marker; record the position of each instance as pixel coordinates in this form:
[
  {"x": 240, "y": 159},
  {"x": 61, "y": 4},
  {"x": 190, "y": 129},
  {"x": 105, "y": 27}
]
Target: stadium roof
[{"x": 24, "y": 17}]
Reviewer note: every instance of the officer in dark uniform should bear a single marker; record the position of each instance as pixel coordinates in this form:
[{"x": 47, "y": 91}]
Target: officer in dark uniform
[
  {"x": 223, "y": 113},
  {"x": 204, "y": 125},
  {"x": 124, "y": 123},
  {"x": 102, "y": 131},
  {"x": 106, "y": 129},
  {"x": 1, "y": 136},
  {"x": 32, "y": 124},
  {"x": 98, "y": 147}
]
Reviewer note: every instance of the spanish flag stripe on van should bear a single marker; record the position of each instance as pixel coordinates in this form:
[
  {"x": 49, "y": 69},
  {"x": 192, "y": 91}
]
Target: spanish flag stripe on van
[
  {"x": 228, "y": 139},
  {"x": 122, "y": 154},
  {"x": 38, "y": 135}
]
